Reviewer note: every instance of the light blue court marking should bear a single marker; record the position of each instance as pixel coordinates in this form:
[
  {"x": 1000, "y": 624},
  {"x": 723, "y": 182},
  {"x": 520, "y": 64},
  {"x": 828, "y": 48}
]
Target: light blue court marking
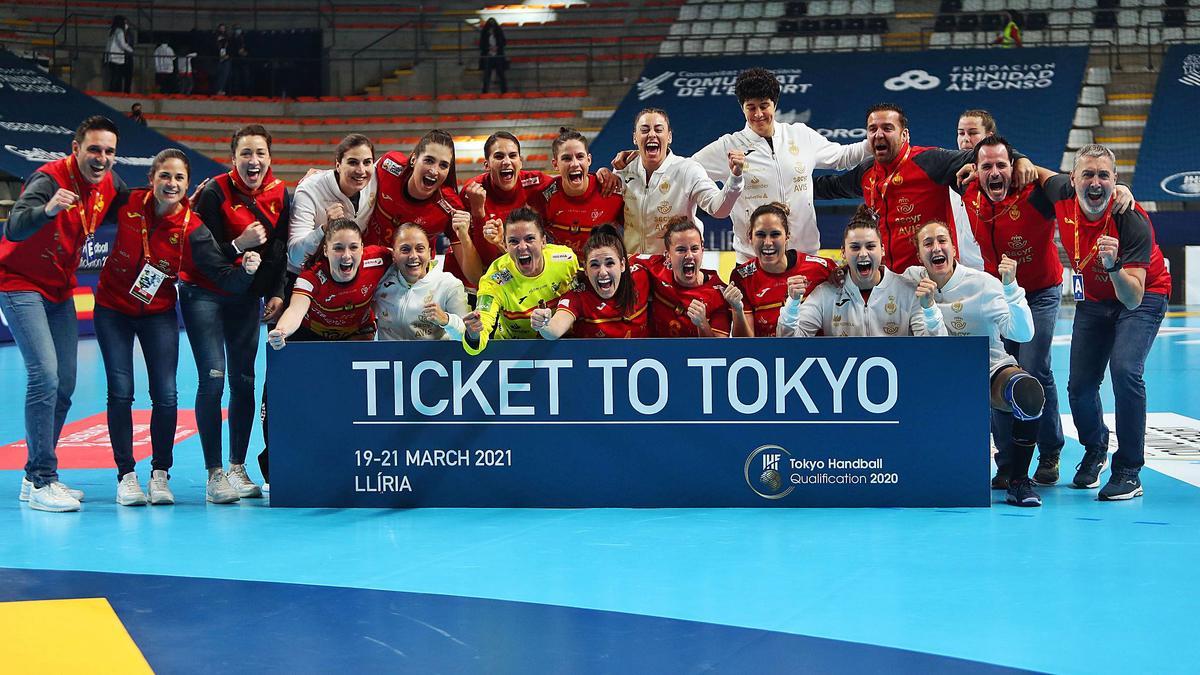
[{"x": 1076, "y": 586}]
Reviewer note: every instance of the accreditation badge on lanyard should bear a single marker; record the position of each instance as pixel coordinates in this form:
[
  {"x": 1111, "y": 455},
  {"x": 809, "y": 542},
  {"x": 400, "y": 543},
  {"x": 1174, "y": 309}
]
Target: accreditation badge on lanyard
[
  {"x": 148, "y": 281},
  {"x": 1077, "y": 286}
]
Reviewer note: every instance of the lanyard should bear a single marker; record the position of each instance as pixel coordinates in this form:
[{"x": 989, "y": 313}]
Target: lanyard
[
  {"x": 187, "y": 217},
  {"x": 89, "y": 228},
  {"x": 1104, "y": 223},
  {"x": 882, "y": 189}
]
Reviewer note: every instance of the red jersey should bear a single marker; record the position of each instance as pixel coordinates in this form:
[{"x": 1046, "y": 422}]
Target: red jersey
[
  {"x": 498, "y": 204},
  {"x": 340, "y": 311},
  {"x": 668, "y": 311},
  {"x": 569, "y": 220},
  {"x": 1080, "y": 238},
  {"x": 394, "y": 207},
  {"x": 143, "y": 236},
  {"x": 764, "y": 293},
  {"x": 1020, "y": 227},
  {"x": 45, "y": 263},
  {"x": 596, "y": 317},
  {"x": 233, "y": 200}
]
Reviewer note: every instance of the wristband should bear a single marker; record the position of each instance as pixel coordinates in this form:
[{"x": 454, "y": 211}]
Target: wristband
[
  {"x": 235, "y": 247},
  {"x": 1116, "y": 266}
]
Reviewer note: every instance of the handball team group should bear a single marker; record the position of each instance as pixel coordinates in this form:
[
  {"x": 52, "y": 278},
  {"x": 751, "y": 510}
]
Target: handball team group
[{"x": 390, "y": 246}]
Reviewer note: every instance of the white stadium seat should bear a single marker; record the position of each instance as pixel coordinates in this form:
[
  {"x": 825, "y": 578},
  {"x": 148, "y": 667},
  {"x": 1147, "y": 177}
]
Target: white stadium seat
[
  {"x": 1081, "y": 18},
  {"x": 1068, "y": 162},
  {"x": 692, "y": 47},
  {"x": 972, "y": 6},
  {"x": 994, "y": 5},
  {"x": 847, "y": 42},
  {"x": 1032, "y": 37},
  {"x": 702, "y": 28},
  {"x": 710, "y": 12},
  {"x": 1077, "y": 36},
  {"x": 689, "y": 13},
  {"x": 1060, "y": 19},
  {"x": 758, "y": 45},
  {"x": 802, "y": 43},
  {"x": 1062, "y": 4},
  {"x": 731, "y": 11},
  {"x": 824, "y": 43},
  {"x": 839, "y": 7},
  {"x": 860, "y": 7},
  {"x": 744, "y": 27},
  {"x": 1039, "y": 4},
  {"x": 939, "y": 40},
  {"x": 680, "y": 28},
  {"x": 735, "y": 45},
  {"x": 668, "y": 48},
  {"x": 1129, "y": 17},
  {"x": 1086, "y": 118},
  {"x": 1172, "y": 34},
  {"x": 818, "y": 8},
  {"x": 752, "y": 10},
  {"x": 1098, "y": 75},
  {"x": 1092, "y": 95},
  {"x": 714, "y": 46},
  {"x": 773, "y": 10},
  {"x": 1103, "y": 36},
  {"x": 1192, "y": 32},
  {"x": 1079, "y": 138}
]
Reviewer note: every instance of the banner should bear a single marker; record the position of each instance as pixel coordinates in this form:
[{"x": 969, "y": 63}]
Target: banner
[
  {"x": 1031, "y": 92},
  {"x": 1167, "y": 168},
  {"x": 831, "y": 422}
]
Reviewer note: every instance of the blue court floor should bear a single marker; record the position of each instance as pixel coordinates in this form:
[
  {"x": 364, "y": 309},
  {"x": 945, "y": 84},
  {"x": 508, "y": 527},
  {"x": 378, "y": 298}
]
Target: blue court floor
[{"x": 1077, "y": 586}]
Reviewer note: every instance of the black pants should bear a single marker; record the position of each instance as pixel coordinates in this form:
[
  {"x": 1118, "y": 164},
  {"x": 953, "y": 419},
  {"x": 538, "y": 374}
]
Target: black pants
[{"x": 497, "y": 65}]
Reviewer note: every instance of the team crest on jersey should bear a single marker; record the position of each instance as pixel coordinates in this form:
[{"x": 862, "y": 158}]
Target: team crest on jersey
[
  {"x": 1014, "y": 213},
  {"x": 794, "y": 149},
  {"x": 837, "y": 318},
  {"x": 664, "y": 187},
  {"x": 664, "y": 208},
  {"x": 957, "y": 307},
  {"x": 391, "y": 166},
  {"x": 372, "y": 262},
  {"x": 890, "y": 307},
  {"x": 1017, "y": 242},
  {"x": 576, "y": 285},
  {"x": 891, "y": 328},
  {"x": 550, "y": 190},
  {"x": 799, "y": 167},
  {"x": 596, "y": 213},
  {"x": 321, "y": 276},
  {"x": 897, "y": 179},
  {"x": 905, "y": 206},
  {"x": 958, "y": 324},
  {"x": 755, "y": 180},
  {"x": 174, "y": 238},
  {"x": 746, "y": 271},
  {"x": 502, "y": 277}
]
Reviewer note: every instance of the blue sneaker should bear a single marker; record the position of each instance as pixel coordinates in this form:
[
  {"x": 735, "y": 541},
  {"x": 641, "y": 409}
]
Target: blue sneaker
[
  {"x": 1087, "y": 473},
  {"x": 1020, "y": 493},
  {"x": 1122, "y": 484}
]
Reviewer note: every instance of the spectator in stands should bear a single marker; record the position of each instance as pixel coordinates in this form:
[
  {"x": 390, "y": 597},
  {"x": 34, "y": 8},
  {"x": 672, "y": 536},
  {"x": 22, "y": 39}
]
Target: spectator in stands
[
  {"x": 780, "y": 158},
  {"x": 660, "y": 185},
  {"x": 118, "y": 56},
  {"x": 246, "y": 209},
  {"x": 59, "y": 209},
  {"x": 1010, "y": 36},
  {"x": 1121, "y": 286},
  {"x": 905, "y": 184},
  {"x": 973, "y": 126},
  {"x": 224, "y": 59},
  {"x": 164, "y": 68},
  {"x": 243, "y": 77},
  {"x": 491, "y": 55},
  {"x": 183, "y": 72},
  {"x": 135, "y": 114}
]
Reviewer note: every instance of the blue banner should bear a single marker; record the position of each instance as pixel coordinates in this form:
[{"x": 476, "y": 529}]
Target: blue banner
[
  {"x": 631, "y": 423},
  {"x": 1167, "y": 167},
  {"x": 1031, "y": 92},
  {"x": 39, "y": 114}
]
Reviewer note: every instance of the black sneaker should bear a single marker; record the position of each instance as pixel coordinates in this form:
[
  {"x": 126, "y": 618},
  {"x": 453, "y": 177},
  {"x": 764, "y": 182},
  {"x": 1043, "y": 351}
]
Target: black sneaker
[
  {"x": 1000, "y": 480},
  {"x": 1087, "y": 472},
  {"x": 1122, "y": 484},
  {"x": 1047, "y": 471},
  {"x": 1020, "y": 493}
]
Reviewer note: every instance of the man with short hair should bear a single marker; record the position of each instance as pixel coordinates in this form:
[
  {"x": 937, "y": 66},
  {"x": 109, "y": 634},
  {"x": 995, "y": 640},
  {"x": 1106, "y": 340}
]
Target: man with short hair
[
  {"x": 780, "y": 158},
  {"x": 1121, "y": 287},
  {"x": 58, "y": 211},
  {"x": 973, "y": 126},
  {"x": 904, "y": 184}
]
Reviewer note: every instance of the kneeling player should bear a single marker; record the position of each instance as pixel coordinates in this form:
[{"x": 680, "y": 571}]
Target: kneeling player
[{"x": 690, "y": 301}]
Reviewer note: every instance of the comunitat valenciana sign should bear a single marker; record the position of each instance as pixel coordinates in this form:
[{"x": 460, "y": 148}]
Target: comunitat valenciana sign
[
  {"x": 1168, "y": 169},
  {"x": 632, "y": 423}
]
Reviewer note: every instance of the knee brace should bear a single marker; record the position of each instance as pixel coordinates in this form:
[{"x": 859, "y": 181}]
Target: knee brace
[{"x": 1024, "y": 394}]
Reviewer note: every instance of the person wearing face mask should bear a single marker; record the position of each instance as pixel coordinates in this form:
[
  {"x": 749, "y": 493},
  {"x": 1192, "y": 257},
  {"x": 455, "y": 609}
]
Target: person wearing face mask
[
  {"x": 965, "y": 301},
  {"x": 763, "y": 280},
  {"x": 57, "y": 212},
  {"x": 156, "y": 232},
  {"x": 532, "y": 275},
  {"x": 422, "y": 189},
  {"x": 574, "y": 202},
  {"x": 690, "y": 301},
  {"x": 871, "y": 301},
  {"x": 610, "y": 298},
  {"x": 904, "y": 184},
  {"x": 345, "y": 191},
  {"x": 503, "y": 187},
  {"x": 1121, "y": 287},
  {"x": 780, "y": 158},
  {"x": 660, "y": 186},
  {"x": 118, "y": 56},
  {"x": 245, "y": 209},
  {"x": 415, "y": 300},
  {"x": 973, "y": 126},
  {"x": 332, "y": 299}
]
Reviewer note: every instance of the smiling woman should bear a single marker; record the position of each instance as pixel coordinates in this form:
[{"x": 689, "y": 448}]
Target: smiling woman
[{"x": 345, "y": 191}]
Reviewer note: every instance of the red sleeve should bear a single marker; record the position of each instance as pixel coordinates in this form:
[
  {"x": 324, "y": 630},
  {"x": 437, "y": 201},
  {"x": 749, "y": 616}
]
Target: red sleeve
[
  {"x": 306, "y": 283},
  {"x": 569, "y": 302}
]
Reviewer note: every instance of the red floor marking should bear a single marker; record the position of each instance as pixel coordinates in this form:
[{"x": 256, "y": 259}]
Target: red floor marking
[{"x": 84, "y": 444}]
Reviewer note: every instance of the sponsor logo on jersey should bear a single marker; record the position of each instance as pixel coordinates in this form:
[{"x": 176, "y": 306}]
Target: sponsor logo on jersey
[
  {"x": 561, "y": 257},
  {"x": 391, "y": 166},
  {"x": 502, "y": 277},
  {"x": 748, "y": 269},
  {"x": 372, "y": 262},
  {"x": 816, "y": 259}
]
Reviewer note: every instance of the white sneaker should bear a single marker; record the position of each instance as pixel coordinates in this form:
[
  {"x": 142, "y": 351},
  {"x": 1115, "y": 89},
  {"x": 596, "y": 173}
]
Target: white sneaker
[
  {"x": 219, "y": 491},
  {"x": 160, "y": 492},
  {"x": 53, "y": 497},
  {"x": 129, "y": 491},
  {"x": 27, "y": 485},
  {"x": 266, "y": 488},
  {"x": 241, "y": 482}
]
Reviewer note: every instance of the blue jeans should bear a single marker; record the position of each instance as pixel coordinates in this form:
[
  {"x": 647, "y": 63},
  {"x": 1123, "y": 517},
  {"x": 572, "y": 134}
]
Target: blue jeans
[
  {"x": 1106, "y": 334},
  {"x": 158, "y": 335},
  {"x": 1034, "y": 358},
  {"x": 47, "y": 335},
  {"x": 223, "y": 332}
]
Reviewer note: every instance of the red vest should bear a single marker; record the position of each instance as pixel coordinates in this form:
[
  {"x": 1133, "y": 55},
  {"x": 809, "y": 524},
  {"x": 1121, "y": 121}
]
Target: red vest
[
  {"x": 905, "y": 198},
  {"x": 139, "y": 230},
  {"x": 45, "y": 262},
  {"x": 1015, "y": 228}
]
